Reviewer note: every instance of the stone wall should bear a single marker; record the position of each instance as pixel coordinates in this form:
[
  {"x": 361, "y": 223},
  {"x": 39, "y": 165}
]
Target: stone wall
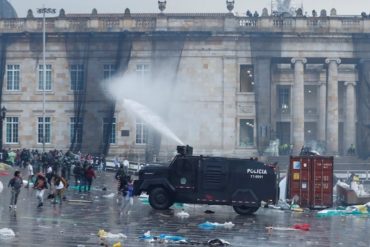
[{"x": 207, "y": 105}]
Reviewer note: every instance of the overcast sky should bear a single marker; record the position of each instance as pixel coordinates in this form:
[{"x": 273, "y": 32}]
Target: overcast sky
[{"x": 344, "y": 7}]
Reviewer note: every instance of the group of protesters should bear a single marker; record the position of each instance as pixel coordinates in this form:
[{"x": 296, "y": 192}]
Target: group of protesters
[
  {"x": 51, "y": 170},
  {"x": 60, "y": 162}
]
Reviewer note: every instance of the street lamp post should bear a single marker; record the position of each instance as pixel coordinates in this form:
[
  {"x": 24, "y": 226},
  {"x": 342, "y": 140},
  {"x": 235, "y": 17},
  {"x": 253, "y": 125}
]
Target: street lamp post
[
  {"x": 3, "y": 115},
  {"x": 44, "y": 11}
]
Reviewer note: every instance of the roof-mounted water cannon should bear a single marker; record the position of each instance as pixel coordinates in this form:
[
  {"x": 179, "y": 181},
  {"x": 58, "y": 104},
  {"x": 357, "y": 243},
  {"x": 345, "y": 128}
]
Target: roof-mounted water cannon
[{"x": 185, "y": 150}]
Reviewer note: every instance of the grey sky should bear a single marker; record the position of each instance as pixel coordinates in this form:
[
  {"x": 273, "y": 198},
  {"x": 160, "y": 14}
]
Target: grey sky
[{"x": 344, "y": 7}]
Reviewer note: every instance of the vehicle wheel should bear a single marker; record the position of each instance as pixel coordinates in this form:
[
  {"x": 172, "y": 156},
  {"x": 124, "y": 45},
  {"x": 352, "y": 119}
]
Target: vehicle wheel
[
  {"x": 245, "y": 210},
  {"x": 160, "y": 199}
]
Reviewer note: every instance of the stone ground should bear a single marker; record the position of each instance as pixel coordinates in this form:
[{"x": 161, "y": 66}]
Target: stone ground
[{"x": 77, "y": 224}]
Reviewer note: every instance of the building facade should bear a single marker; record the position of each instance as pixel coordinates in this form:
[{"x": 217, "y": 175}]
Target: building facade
[{"x": 240, "y": 82}]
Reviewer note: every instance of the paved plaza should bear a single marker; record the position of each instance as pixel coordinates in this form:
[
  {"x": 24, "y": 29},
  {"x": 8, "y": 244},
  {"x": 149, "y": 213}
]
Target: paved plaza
[{"x": 77, "y": 224}]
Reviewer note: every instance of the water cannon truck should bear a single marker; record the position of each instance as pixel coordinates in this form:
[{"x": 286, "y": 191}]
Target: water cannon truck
[{"x": 195, "y": 179}]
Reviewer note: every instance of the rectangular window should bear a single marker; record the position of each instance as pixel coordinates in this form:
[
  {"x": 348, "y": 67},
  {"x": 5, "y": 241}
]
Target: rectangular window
[
  {"x": 40, "y": 128},
  {"x": 11, "y": 130},
  {"x": 76, "y": 130},
  {"x": 109, "y": 70},
  {"x": 12, "y": 74},
  {"x": 246, "y": 78},
  {"x": 246, "y": 132},
  {"x": 141, "y": 132},
  {"x": 48, "y": 77},
  {"x": 311, "y": 99},
  {"x": 283, "y": 134},
  {"x": 284, "y": 99},
  {"x": 77, "y": 77},
  {"x": 109, "y": 130},
  {"x": 142, "y": 71}
]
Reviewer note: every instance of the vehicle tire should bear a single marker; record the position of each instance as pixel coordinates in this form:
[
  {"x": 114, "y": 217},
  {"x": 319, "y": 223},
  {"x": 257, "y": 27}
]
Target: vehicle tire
[
  {"x": 160, "y": 199},
  {"x": 245, "y": 210}
]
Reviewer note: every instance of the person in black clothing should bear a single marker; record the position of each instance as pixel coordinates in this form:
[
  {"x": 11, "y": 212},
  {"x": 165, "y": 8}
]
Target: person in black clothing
[
  {"x": 45, "y": 162},
  {"x": 122, "y": 179},
  {"x": 104, "y": 162},
  {"x": 5, "y": 155},
  {"x": 77, "y": 173},
  {"x": 25, "y": 156},
  {"x": 16, "y": 184}
]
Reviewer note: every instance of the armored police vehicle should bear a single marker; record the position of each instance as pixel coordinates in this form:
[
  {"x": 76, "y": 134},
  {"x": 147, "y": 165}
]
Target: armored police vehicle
[{"x": 241, "y": 183}]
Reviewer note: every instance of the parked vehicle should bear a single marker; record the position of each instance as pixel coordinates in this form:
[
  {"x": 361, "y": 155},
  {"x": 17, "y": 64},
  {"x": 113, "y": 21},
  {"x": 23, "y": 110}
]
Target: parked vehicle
[{"x": 241, "y": 183}]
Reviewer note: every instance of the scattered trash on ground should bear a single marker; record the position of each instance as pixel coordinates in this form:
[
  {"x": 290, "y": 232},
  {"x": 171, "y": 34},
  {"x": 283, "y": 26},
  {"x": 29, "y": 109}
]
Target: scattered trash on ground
[
  {"x": 350, "y": 210},
  {"x": 163, "y": 238},
  {"x": 111, "y": 239},
  {"x": 296, "y": 227},
  {"x": 296, "y": 208},
  {"x": 6, "y": 233},
  {"x": 213, "y": 225},
  {"x": 182, "y": 214},
  {"x": 283, "y": 205},
  {"x": 1, "y": 187},
  {"x": 144, "y": 199},
  {"x": 217, "y": 242},
  {"x": 279, "y": 228},
  {"x": 111, "y": 195},
  {"x": 302, "y": 227},
  {"x": 172, "y": 239}
]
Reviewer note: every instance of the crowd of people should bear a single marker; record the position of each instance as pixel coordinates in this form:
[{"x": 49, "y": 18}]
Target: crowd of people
[
  {"x": 53, "y": 170},
  {"x": 56, "y": 160}
]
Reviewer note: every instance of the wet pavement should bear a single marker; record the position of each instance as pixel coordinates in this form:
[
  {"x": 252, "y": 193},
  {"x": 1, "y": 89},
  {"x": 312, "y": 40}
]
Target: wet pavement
[{"x": 77, "y": 223}]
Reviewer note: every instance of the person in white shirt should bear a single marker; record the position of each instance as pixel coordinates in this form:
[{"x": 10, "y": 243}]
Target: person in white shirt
[
  {"x": 29, "y": 173},
  {"x": 58, "y": 186}
]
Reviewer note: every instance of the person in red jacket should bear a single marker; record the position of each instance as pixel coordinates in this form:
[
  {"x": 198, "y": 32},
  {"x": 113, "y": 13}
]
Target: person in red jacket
[{"x": 90, "y": 174}]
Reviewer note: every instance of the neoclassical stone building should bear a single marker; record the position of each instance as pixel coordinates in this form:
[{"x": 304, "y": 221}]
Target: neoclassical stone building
[{"x": 251, "y": 79}]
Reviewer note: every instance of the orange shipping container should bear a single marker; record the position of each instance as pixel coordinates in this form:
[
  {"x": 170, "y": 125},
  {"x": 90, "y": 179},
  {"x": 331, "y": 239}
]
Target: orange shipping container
[{"x": 310, "y": 180}]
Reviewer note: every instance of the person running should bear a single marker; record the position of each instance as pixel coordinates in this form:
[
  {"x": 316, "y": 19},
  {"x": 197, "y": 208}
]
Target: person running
[
  {"x": 90, "y": 174},
  {"x": 40, "y": 186},
  {"x": 59, "y": 188},
  {"x": 29, "y": 173},
  {"x": 16, "y": 184}
]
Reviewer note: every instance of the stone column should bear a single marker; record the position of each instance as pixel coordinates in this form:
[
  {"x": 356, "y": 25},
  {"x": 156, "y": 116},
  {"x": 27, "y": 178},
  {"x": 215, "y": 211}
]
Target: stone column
[
  {"x": 350, "y": 115},
  {"x": 262, "y": 89},
  {"x": 229, "y": 106},
  {"x": 332, "y": 108},
  {"x": 322, "y": 112},
  {"x": 298, "y": 104},
  {"x": 363, "y": 116}
]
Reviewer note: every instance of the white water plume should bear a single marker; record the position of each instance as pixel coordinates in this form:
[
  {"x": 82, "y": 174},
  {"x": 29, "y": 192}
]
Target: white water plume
[{"x": 151, "y": 119}]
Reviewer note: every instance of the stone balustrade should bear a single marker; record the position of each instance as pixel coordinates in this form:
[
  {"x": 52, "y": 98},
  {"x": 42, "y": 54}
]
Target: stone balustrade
[{"x": 187, "y": 22}]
